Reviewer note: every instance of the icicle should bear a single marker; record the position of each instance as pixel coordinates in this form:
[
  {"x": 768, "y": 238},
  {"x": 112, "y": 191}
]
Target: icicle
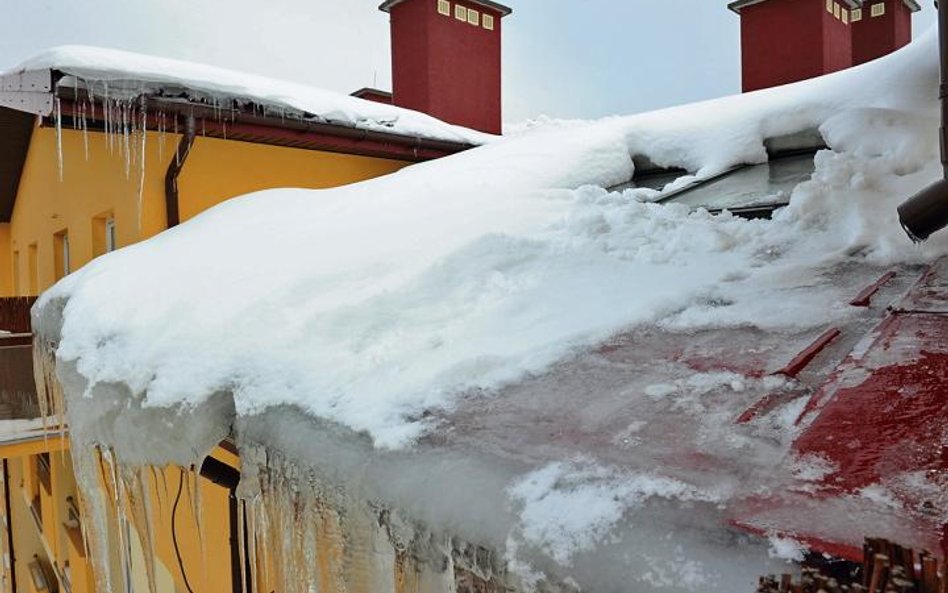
[
  {"x": 85, "y": 130},
  {"x": 139, "y": 511},
  {"x": 107, "y": 115},
  {"x": 143, "y": 131},
  {"x": 126, "y": 138},
  {"x": 59, "y": 137},
  {"x": 197, "y": 508}
]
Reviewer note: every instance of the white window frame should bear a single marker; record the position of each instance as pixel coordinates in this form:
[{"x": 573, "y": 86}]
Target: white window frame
[
  {"x": 877, "y": 10},
  {"x": 473, "y": 17},
  {"x": 444, "y": 7},
  {"x": 845, "y": 14},
  {"x": 829, "y": 6},
  {"x": 837, "y": 9},
  {"x": 855, "y": 15},
  {"x": 488, "y": 21},
  {"x": 460, "y": 13},
  {"x": 66, "y": 267},
  {"x": 110, "y": 240}
]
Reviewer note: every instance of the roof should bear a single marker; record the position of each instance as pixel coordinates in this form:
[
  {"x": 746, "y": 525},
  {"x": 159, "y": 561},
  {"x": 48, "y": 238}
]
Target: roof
[
  {"x": 228, "y": 104},
  {"x": 101, "y": 72},
  {"x": 738, "y": 5},
  {"x": 503, "y": 10}
]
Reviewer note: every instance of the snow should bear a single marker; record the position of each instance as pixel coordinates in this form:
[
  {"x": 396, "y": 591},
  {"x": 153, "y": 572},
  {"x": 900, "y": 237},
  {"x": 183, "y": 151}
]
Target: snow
[
  {"x": 113, "y": 72},
  {"x": 434, "y": 339},
  {"x": 568, "y": 507}
]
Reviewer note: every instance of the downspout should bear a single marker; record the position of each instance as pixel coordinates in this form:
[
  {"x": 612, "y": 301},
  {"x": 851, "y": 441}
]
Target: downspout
[
  {"x": 6, "y": 497},
  {"x": 927, "y": 211},
  {"x": 172, "y": 203},
  {"x": 223, "y": 475}
]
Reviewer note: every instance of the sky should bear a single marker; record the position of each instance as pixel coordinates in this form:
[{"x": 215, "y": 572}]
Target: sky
[{"x": 562, "y": 59}]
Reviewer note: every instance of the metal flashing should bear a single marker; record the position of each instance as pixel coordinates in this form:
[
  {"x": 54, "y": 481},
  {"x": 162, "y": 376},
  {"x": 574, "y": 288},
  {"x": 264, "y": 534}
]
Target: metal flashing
[
  {"x": 738, "y": 5},
  {"x": 503, "y": 10}
]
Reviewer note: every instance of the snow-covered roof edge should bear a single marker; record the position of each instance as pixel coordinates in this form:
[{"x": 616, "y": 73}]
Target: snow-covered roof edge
[{"x": 109, "y": 71}]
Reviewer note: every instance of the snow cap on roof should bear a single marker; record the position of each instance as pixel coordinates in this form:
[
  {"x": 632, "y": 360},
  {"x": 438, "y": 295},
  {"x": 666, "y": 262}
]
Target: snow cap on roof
[
  {"x": 138, "y": 73},
  {"x": 738, "y": 5},
  {"x": 503, "y": 10}
]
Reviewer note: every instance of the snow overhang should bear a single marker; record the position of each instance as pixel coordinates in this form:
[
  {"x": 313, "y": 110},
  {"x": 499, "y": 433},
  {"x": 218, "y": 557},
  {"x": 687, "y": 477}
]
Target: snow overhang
[
  {"x": 739, "y": 5},
  {"x": 503, "y": 10}
]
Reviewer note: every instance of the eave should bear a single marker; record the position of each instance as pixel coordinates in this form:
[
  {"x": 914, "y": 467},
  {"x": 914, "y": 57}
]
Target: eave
[{"x": 23, "y": 96}]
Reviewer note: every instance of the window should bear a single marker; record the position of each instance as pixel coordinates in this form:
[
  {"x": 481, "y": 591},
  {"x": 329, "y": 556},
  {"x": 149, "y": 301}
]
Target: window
[
  {"x": 877, "y": 9},
  {"x": 855, "y": 15},
  {"x": 829, "y": 6},
  {"x": 103, "y": 234},
  {"x": 444, "y": 7},
  {"x": 16, "y": 273},
  {"x": 488, "y": 21},
  {"x": 836, "y": 9},
  {"x": 474, "y": 17},
  {"x": 110, "y": 243},
  {"x": 33, "y": 261},
  {"x": 460, "y": 13},
  {"x": 845, "y": 14},
  {"x": 61, "y": 254}
]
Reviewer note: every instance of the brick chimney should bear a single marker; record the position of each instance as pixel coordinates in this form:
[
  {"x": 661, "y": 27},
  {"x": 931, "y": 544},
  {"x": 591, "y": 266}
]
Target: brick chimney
[
  {"x": 446, "y": 59},
  {"x": 880, "y": 27},
  {"x": 784, "y": 41}
]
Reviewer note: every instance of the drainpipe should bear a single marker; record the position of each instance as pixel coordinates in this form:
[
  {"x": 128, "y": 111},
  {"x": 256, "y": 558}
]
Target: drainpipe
[
  {"x": 172, "y": 203},
  {"x": 6, "y": 496},
  {"x": 927, "y": 211},
  {"x": 223, "y": 475}
]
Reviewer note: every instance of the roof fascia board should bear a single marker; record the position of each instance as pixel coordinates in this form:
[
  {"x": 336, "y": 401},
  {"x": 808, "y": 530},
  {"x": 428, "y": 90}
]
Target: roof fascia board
[
  {"x": 30, "y": 91},
  {"x": 29, "y": 102},
  {"x": 36, "y": 81}
]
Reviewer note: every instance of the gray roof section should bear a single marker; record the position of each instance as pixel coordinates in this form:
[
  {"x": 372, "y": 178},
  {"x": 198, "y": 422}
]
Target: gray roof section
[
  {"x": 738, "y": 5},
  {"x": 503, "y": 10}
]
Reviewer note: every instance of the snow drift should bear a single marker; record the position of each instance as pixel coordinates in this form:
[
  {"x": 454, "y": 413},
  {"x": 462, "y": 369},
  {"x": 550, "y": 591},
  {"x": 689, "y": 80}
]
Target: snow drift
[{"x": 340, "y": 328}]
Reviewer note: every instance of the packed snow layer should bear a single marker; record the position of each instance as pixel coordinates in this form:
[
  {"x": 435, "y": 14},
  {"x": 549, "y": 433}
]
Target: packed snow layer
[
  {"x": 428, "y": 339},
  {"x": 111, "y": 72}
]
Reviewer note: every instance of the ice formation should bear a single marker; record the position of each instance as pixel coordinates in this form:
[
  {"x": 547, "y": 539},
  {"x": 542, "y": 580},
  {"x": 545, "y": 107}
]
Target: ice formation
[{"x": 450, "y": 350}]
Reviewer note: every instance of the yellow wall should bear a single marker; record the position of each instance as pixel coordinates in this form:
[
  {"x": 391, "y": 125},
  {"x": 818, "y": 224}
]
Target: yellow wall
[
  {"x": 203, "y": 543},
  {"x": 220, "y": 169},
  {"x": 101, "y": 185}
]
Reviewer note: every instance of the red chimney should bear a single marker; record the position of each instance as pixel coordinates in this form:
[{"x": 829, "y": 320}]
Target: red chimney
[
  {"x": 446, "y": 59},
  {"x": 784, "y": 41},
  {"x": 880, "y": 27}
]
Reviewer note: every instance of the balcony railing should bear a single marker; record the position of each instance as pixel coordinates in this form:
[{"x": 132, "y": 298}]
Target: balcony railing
[
  {"x": 17, "y": 389},
  {"x": 15, "y": 314}
]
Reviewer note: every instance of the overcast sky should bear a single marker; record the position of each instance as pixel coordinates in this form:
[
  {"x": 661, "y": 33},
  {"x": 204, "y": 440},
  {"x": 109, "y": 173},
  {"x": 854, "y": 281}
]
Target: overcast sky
[{"x": 567, "y": 59}]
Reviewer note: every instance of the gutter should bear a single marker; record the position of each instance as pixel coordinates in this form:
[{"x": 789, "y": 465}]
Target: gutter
[{"x": 172, "y": 198}]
